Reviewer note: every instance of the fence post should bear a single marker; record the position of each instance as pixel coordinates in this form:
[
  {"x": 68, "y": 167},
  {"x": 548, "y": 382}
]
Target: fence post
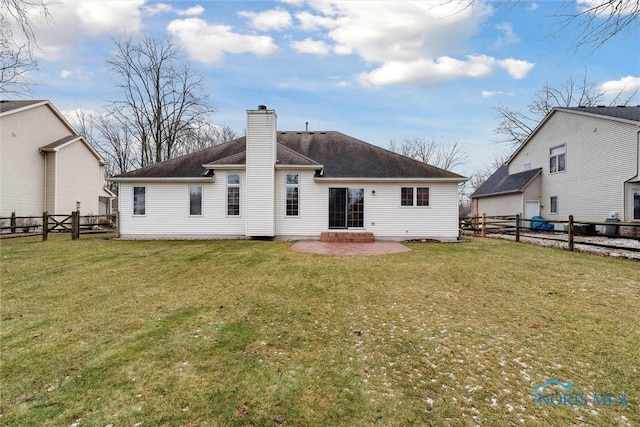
[
  {"x": 13, "y": 222},
  {"x": 517, "y": 227},
  {"x": 75, "y": 225},
  {"x": 484, "y": 224},
  {"x": 45, "y": 225},
  {"x": 571, "y": 233}
]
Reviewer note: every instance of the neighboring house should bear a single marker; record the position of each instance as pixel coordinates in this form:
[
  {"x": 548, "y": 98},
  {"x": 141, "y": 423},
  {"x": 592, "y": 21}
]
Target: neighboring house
[
  {"x": 45, "y": 165},
  {"x": 288, "y": 185},
  {"x": 580, "y": 161}
]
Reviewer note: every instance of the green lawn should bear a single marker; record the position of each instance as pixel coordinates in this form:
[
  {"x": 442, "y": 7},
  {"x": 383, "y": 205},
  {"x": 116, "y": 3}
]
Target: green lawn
[{"x": 248, "y": 333}]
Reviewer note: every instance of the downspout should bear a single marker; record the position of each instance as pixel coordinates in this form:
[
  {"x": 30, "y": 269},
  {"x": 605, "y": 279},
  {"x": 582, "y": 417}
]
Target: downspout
[
  {"x": 44, "y": 195},
  {"x": 624, "y": 199}
]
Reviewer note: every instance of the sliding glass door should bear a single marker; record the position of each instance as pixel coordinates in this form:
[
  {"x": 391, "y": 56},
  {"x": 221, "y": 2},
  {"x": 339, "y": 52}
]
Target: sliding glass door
[{"x": 346, "y": 207}]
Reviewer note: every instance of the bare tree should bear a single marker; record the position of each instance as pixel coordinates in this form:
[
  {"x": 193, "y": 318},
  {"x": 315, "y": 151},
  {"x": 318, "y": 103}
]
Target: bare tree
[
  {"x": 18, "y": 42},
  {"x": 599, "y": 22},
  {"x": 202, "y": 135},
  {"x": 517, "y": 125},
  {"x": 109, "y": 137},
  {"x": 443, "y": 155},
  {"x": 162, "y": 97}
]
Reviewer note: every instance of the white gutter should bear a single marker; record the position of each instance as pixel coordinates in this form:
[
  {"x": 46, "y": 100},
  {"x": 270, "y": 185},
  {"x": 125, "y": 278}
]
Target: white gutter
[
  {"x": 162, "y": 179},
  {"x": 355, "y": 179},
  {"x": 314, "y": 167},
  {"x": 225, "y": 166}
]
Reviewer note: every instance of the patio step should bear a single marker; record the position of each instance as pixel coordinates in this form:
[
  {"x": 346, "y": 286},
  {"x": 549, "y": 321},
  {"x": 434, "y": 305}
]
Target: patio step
[{"x": 347, "y": 237}]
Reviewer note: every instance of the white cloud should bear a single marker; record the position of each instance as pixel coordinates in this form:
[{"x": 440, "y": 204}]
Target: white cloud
[
  {"x": 516, "y": 68},
  {"x": 315, "y": 47},
  {"x": 72, "y": 21},
  {"x": 624, "y": 85},
  {"x": 508, "y": 38},
  {"x": 494, "y": 93},
  {"x": 78, "y": 73},
  {"x": 428, "y": 71},
  {"x": 409, "y": 41},
  {"x": 102, "y": 17},
  {"x": 208, "y": 43},
  {"x": 192, "y": 11},
  {"x": 275, "y": 19},
  {"x": 395, "y": 31},
  {"x": 157, "y": 8},
  {"x": 312, "y": 22}
]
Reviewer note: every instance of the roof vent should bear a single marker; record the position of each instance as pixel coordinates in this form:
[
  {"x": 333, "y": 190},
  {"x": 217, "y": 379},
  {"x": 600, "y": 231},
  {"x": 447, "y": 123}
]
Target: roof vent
[{"x": 262, "y": 107}]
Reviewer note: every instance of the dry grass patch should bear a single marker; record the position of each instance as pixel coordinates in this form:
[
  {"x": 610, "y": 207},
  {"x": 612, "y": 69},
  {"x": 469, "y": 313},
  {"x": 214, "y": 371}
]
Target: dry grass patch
[{"x": 97, "y": 332}]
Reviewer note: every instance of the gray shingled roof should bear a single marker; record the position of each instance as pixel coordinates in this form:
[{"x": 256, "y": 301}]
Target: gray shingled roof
[
  {"x": 622, "y": 112},
  {"x": 339, "y": 155},
  {"x": 501, "y": 182},
  {"x": 60, "y": 142},
  {"x": 6, "y": 105},
  {"x": 347, "y": 157}
]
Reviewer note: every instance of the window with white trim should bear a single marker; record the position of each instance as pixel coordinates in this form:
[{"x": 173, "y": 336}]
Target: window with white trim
[
  {"x": 233, "y": 194},
  {"x": 292, "y": 194},
  {"x": 414, "y": 196},
  {"x": 140, "y": 201},
  {"x": 553, "y": 205},
  {"x": 558, "y": 159},
  {"x": 636, "y": 204},
  {"x": 195, "y": 200}
]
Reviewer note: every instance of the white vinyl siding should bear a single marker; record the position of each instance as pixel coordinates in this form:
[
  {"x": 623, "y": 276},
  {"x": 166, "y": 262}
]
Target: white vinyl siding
[
  {"x": 601, "y": 157},
  {"x": 73, "y": 161},
  {"x": 508, "y": 204},
  {"x": 31, "y": 181},
  {"x": 260, "y": 176},
  {"x": 167, "y": 206},
  {"x": 383, "y": 215},
  {"x": 22, "y": 173}
]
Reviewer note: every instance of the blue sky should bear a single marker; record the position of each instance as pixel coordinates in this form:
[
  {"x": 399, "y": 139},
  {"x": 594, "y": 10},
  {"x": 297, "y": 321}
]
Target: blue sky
[{"x": 374, "y": 70}]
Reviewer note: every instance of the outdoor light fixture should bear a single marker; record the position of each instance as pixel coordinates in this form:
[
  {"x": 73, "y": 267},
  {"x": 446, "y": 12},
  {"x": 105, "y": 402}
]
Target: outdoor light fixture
[
  {"x": 373, "y": 192},
  {"x": 77, "y": 206}
]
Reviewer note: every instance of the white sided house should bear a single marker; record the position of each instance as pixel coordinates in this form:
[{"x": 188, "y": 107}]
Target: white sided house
[
  {"x": 46, "y": 165},
  {"x": 580, "y": 161},
  {"x": 288, "y": 185}
]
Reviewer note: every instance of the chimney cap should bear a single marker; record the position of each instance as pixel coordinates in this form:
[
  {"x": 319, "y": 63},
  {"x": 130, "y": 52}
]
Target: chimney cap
[{"x": 262, "y": 107}]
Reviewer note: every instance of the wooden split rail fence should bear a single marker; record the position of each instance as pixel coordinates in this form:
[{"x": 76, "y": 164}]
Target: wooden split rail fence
[
  {"x": 572, "y": 228},
  {"x": 71, "y": 223}
]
